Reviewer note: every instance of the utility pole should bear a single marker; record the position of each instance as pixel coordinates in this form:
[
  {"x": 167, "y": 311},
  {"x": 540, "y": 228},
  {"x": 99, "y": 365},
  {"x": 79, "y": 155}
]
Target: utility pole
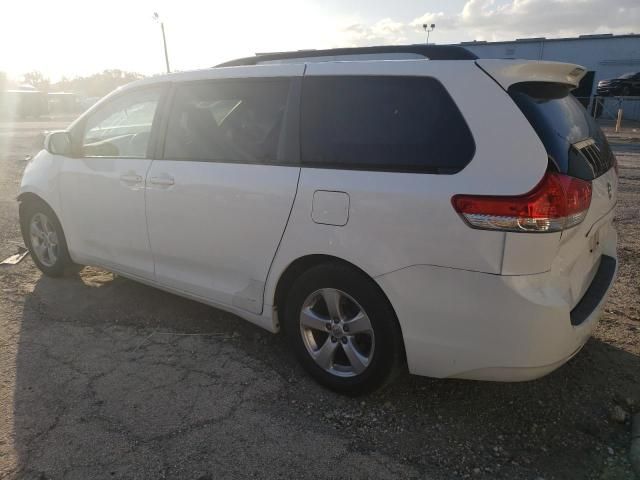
[
  {"x": 156, "y": 18},
  {"x": 428, "y": 28}
]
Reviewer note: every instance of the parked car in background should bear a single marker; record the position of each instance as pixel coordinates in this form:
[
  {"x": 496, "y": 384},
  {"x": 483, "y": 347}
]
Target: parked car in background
[
  {"x": 63, "y": 103},
  {"x": 624, "y": 86},
  {"x": 437, "y": 209},
  {"x": 22, "y": 104}
]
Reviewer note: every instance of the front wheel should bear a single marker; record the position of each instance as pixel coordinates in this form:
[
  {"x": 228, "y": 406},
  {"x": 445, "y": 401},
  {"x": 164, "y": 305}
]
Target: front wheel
[
  {"x": 343, "y": 330},
  {"x": 45, "y": 240}
]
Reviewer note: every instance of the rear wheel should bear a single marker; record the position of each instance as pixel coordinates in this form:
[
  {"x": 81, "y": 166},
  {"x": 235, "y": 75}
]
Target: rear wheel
[
  {"x": 45, "y": 240},
  {"x": 343, "y": 329}
]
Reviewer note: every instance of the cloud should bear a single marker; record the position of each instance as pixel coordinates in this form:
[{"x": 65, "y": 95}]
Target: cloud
[
  {"x": 440, "y": 19},
  {"x": 550, "y": 18},
  {"x": 385, "y": 31},
  {"x": 490, "y": 20}
]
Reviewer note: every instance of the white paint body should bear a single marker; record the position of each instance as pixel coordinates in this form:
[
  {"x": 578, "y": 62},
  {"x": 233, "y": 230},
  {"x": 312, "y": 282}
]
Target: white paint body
[{"x": 471, "y": 303}]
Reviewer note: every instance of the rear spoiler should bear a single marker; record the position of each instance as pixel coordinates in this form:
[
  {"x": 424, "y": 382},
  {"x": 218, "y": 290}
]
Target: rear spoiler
[{"x": 508, "y": 72}]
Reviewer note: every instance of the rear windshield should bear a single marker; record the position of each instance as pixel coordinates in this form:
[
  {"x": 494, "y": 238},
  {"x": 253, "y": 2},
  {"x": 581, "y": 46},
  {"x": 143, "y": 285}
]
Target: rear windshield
[{"x": 573, "y": 139}]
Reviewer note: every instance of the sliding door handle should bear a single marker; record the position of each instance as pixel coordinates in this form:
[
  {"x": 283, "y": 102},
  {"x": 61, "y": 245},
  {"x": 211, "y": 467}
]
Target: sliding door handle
[{"x": 164, "y": 181}]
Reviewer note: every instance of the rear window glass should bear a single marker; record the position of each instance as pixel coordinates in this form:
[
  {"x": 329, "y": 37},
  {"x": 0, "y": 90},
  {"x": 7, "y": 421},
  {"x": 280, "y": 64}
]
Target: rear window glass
[
  {"x": 383, "y": 123},
  {"x": 227, "y": 121},
  {"x": 561, "y": 122}
]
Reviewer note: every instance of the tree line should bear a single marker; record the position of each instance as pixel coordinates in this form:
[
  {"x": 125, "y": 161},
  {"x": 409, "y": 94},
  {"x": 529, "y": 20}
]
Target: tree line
[{"x": 96, "y": 85}]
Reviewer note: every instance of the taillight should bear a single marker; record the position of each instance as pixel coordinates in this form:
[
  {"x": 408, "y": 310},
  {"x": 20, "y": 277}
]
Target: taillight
[{"x": 556, "y": 203}]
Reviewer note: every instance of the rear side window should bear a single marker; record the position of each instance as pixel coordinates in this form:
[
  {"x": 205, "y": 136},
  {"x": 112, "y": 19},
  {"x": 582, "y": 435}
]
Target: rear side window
[
  {"x": 392, "y": 123},
  {"x": 237, "y": 121},
  {"x": 573, "y": 140}
]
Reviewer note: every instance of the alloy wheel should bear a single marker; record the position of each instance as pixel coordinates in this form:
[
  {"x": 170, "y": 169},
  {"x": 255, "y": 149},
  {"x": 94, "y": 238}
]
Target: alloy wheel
[
  {"x": 44, "y": 239},
  {"x": 337, "y": 332}
]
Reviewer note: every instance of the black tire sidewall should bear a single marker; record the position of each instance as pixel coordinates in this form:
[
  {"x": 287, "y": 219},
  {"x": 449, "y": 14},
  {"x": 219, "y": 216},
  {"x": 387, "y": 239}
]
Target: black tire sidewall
[
  {"x": 388, "y": 352},
  {"x": 63, "y": 262}
]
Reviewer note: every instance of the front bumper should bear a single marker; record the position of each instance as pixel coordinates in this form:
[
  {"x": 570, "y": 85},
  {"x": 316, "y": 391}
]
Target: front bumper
[
  {"x": 464, "y": 324},
  {"x": 608, "y": 91}
]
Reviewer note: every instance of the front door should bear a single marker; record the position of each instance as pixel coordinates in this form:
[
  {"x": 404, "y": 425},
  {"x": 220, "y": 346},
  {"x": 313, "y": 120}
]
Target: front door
[
  {"x": 102, "y": 187},
  {"x": 219, "y": 201}
]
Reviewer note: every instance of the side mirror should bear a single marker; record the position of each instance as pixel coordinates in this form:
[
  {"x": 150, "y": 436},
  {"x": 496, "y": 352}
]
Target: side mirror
[{"x": 58, "y": 143}]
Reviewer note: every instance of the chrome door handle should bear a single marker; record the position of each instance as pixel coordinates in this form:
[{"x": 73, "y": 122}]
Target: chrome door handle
[
  {"x": 163, "y": 181},
  {"x": 131, "y": 178}
]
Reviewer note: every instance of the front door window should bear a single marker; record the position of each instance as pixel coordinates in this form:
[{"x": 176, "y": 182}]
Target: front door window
[{"x": 122, "y": 128}]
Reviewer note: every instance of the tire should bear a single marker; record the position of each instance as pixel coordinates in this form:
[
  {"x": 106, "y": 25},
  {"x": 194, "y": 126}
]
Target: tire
[
  {"x": 45, "y": 240},
  {"x": 354, "y": 356}
]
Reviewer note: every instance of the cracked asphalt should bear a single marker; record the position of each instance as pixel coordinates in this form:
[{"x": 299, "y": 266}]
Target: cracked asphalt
[{"x": 103, "y": 378}]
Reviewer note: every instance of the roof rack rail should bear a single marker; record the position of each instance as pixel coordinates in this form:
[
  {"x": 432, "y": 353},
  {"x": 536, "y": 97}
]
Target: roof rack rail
[{"x": 431, "y": 52}]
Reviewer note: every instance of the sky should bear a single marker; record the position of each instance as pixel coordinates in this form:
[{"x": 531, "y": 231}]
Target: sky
[{"x": 81, "y": 37}]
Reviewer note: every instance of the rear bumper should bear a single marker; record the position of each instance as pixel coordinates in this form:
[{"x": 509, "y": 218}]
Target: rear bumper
[
  {"x": 597, "y": 291},
  {"x": 472, "y": 325}
]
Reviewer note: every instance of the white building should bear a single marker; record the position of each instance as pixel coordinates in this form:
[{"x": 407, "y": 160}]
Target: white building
[{"x": 605, "y": 56}]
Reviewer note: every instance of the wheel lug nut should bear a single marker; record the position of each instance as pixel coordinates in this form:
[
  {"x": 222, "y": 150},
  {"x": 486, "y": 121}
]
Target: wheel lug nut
[
  {"x": 336, "y": 320},
  {"x": 333, "y": 339},
  {"x": 344, "y": 340},
  {"x": 345, "y": 328}
]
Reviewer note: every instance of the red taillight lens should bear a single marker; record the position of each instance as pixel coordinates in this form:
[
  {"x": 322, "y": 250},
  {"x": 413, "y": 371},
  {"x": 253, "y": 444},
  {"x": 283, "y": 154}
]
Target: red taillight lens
[{"x": 556, "y": 203}]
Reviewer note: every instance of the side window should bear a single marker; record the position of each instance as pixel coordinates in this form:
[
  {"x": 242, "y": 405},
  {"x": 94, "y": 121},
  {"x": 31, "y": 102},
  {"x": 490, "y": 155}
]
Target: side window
[
  {"x": 122, "y": 127},
  {"x": 227, "y": 121},
  {"x": 388, "y": 123}
]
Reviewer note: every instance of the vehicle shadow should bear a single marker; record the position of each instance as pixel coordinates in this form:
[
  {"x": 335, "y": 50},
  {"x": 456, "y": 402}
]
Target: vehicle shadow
[{"x": 118, "y": 380}]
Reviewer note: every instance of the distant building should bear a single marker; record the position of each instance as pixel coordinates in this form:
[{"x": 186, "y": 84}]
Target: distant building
[{"x": 605, "y": 56}]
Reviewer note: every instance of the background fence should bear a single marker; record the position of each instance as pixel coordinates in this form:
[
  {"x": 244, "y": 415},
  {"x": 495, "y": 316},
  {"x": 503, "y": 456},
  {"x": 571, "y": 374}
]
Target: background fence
[{"x": 606, "y": 108}]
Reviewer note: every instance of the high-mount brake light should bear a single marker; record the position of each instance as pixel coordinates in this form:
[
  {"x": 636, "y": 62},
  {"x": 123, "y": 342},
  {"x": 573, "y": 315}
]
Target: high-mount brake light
[{"x": 558, "y": 202}]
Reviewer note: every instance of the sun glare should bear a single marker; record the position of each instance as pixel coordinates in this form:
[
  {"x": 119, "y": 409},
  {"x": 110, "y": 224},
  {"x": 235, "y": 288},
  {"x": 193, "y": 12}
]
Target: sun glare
[{"x": 76, "y": 38}]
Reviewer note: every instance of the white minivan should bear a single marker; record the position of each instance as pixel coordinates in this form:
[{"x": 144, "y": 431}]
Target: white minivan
[{"x": 382, "y": 206}]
